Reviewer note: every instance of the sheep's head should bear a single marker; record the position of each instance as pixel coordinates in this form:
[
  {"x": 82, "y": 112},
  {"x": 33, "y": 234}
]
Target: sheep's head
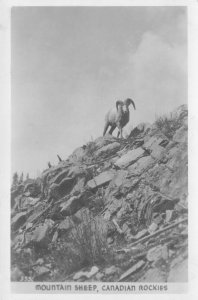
[{"x": 129, "y": 101}]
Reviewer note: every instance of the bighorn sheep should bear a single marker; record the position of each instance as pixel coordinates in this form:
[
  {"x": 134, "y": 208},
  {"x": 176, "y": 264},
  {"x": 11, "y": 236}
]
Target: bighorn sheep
[{"x": 118, "y": 116}]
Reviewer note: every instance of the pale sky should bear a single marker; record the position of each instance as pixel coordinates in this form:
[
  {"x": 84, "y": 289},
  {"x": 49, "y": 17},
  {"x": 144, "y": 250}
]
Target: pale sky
[{"x": 71, "y": 64}]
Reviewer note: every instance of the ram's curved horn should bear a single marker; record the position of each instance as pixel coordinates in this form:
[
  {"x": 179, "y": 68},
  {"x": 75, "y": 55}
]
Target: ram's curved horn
[
  {"x": 119, "y": 103},
  {"x": 129, "y": 101}
]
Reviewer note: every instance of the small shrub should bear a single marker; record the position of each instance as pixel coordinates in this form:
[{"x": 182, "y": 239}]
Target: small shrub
[
  {"x": 90, "y": 149},
  {"x": 89, "y": 237},
  {"x": 85, "y": 245},
  {"x": 168, "y": 125}
]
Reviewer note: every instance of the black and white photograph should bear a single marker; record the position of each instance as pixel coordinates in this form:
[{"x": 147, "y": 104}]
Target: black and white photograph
[{"x": 99, "y": 147}]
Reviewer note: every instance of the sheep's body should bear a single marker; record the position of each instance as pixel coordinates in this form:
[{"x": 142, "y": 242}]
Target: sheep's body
[{"x": 118, "y": 116}]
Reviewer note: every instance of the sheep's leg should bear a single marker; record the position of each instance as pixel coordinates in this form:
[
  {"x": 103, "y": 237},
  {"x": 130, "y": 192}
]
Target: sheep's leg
[
  {"x": 119, "y": 131},
  {"x": 105, "y": 128},
  {"x": 112, "y": 129}
]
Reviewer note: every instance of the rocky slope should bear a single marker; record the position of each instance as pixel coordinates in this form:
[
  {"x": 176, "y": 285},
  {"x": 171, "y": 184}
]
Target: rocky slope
[{"x": 115, "y": 210}]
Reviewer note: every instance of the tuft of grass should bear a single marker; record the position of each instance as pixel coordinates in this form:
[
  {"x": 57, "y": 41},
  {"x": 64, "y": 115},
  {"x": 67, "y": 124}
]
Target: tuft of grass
[
  {"x": 90, "y": 149},
  {"x": 84, "y": 246},
  {"x": 168, "y": 125}
]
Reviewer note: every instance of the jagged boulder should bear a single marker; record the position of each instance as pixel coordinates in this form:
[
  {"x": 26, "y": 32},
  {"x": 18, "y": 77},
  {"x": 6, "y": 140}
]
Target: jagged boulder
[
  {"x": 69, "y": 180},
  {"x": 77, "y": 171},
  {"x": 116, "y": 184},
  {"x": 100, "y": 180},
  {"x": 108, "y": 149},
  {"x": 86, "y": 274},
  {"x": 66, "y": 224},
  {"x": 18, "y": 220},
  {"x": 130, "y": 157},
  {"x": 71, "y": 206},
  {"x": 40, "y": 235},
  {"x": 58, "y": 191},
  {"x": 181, "y": 135},
  {"x": 40, "y": 272},
  {"x": 59, "y": 177},
  {"x": 103, "y": 141},
  {"x": 141, "y": 166},
  {"x": 155, "y": 145}
]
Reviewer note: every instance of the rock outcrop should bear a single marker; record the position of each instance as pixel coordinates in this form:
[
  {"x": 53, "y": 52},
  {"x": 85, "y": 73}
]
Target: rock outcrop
[{"x": 115, "y": 210}]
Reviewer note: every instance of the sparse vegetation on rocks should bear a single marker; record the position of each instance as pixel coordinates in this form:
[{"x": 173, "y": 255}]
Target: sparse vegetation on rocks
[{"x": 169, "y": 124}]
